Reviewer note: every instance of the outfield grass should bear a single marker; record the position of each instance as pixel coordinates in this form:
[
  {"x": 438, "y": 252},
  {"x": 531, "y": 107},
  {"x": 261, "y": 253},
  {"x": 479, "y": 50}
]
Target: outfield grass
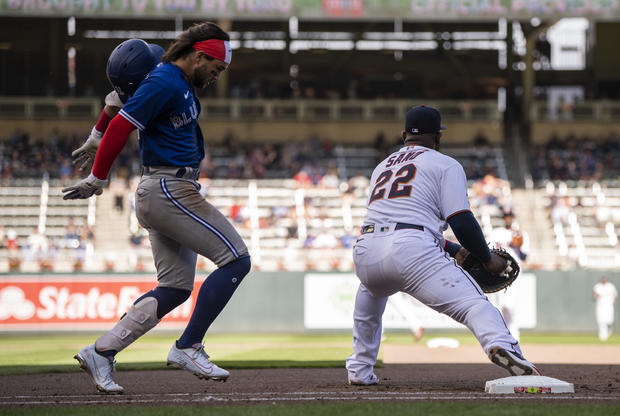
[
  {"x": 333, "y": 409},
  {"x": 28, "y": 353},
  {"x": 22, "y": 354}
]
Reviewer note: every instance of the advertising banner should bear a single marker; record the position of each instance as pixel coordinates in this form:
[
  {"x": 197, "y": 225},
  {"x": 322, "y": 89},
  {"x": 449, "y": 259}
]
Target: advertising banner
[
  {"x": 77, "y": 302},
  {"x": 329, "y": 300},
  {"x": 317, "y": 9}
]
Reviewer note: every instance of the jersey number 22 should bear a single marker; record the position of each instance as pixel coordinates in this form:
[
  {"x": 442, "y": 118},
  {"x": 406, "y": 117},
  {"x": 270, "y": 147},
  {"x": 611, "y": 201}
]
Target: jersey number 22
[{"x": 399, "y": 188}]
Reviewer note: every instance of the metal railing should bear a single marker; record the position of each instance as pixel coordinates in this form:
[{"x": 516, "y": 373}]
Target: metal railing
[
  {"x": 603, "y": 110},
  {"x": 36, "y": 108},
  {"x": 41, "y": 108},
  {"x": 342, "y": 110}
]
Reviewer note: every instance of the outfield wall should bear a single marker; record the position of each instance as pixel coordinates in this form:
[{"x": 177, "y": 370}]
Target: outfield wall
[{"x": 282, "y": 302}]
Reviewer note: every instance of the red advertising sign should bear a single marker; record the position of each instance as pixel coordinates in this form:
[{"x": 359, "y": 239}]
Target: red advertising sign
[
  {"x": 77, "y": 302},
  {"x": 341, "y": 8}
]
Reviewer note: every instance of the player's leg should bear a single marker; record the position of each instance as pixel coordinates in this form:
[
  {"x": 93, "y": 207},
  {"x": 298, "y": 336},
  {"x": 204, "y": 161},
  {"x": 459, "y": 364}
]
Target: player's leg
[
  {"x": 176, "y": 266},
  {"x": 199, "y": 226},
  {"x": 443, "y": 286},
  {"x": 366, "y": 337},
  {"x": 373, "y": 260},
  {"x": 603, "y": 331},
  {"x": 175, "y": 270},
  {"x": 186, "y": 217},
  {"x": 213, "y": 296}
]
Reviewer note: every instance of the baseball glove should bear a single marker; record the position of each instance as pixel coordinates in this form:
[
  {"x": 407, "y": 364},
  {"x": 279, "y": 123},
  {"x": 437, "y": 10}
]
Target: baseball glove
[{"x": 487, "y": 281}]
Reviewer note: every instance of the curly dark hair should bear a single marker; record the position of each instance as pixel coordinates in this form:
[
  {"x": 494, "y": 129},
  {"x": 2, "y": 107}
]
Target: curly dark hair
[{"x": 183, "y": 45}]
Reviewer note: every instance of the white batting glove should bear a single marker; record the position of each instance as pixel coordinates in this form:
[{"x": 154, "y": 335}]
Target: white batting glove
[
  {"x": 84, "y": 156},
  {"x": 85, "y": 188},
  {"x": 113, "y": 100}
]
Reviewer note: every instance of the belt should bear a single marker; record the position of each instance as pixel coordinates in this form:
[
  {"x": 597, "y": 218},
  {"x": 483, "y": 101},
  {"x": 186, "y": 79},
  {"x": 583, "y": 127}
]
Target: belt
[
  {"x": 171, "y": 171},
  {"x": 370, "y": 228}
]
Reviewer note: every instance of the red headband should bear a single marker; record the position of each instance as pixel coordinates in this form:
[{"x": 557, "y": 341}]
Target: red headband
[{"x": 215, "y": 48}]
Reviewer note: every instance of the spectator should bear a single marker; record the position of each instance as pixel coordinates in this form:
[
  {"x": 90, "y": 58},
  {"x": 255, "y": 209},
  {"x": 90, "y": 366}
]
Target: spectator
[
  {"x": 3, "y": 239},
  {"x": 235, "y": 211},
  {"x": 36, "y": 246},
  {"x": 13, "y": 249}
]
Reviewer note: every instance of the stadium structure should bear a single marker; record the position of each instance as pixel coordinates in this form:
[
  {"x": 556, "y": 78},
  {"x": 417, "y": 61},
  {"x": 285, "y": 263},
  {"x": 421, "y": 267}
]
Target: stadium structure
[{"x": 314, "y": 97}]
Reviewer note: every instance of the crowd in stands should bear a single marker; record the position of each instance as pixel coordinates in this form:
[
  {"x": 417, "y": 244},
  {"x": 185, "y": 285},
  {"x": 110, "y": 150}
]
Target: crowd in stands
[
  {"x": 75, "y": 245},
  {"x": 246, "y": 160},
  {"x": 311, "y": 164},
  {"x": 577, "y": 158},
  {"x": 24, "y": 156},
  {"x": 313, "y": 159}
]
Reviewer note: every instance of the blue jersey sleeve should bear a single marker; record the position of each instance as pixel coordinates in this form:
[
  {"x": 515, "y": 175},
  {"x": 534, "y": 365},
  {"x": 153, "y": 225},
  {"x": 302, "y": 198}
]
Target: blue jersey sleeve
[{"x": 148, "y": 101}]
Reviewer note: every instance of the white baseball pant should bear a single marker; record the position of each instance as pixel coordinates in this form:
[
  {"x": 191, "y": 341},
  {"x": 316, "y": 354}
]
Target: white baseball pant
[{"x": 412, "y": 261}]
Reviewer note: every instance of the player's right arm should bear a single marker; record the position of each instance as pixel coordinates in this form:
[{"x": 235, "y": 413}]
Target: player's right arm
[
  {"x": 85, "y": 154},
  {"x": 112, "y": 143}
]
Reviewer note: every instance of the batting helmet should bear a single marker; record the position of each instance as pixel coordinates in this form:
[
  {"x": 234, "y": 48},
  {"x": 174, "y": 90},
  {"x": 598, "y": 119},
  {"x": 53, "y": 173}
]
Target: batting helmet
[
  {"x": 129, "y": 63},
  {"x": 156, "y": 51}
]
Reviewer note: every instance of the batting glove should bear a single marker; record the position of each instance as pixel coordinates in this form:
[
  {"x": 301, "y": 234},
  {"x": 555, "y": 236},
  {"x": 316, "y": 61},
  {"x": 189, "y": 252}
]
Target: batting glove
[
  {"x": 85, "y": 188},
  {"x": 85, "y": 155}
]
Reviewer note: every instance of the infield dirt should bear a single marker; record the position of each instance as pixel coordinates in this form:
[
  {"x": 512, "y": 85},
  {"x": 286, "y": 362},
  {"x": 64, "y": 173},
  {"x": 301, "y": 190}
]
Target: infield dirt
[{"x": 594, "y": 383}]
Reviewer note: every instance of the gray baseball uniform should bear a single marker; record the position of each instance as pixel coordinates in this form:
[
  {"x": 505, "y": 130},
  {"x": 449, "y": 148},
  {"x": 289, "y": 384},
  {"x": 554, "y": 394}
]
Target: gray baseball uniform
[{"x": 182, "y": 223}]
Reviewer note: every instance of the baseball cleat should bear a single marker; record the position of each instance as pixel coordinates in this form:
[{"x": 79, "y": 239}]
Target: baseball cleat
[
  {"x": 99, "y": 368},
  {"x": 370, "y": 381},
  {"x": 195, "y": 360},
  {"x": 513, "y": 362}
]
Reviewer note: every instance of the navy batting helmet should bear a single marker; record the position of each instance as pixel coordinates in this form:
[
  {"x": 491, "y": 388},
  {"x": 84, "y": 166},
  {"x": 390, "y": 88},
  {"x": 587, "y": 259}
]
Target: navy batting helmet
[
  {"x": 129, "y": 63},
  {"x": 156, "y": 51}
]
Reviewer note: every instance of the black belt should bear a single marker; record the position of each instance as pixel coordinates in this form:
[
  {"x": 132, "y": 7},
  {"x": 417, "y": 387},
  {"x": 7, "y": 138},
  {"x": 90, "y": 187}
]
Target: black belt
[
  {"x": 182, "y": 173},
  {"x": 370, "y": 228}
]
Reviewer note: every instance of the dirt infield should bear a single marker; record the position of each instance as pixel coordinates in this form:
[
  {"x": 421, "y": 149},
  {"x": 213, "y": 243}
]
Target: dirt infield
[
  {"x": 471, "y": 354},
  {"x": 401, "y": 382},
  {"x": 412, "y": 372}
]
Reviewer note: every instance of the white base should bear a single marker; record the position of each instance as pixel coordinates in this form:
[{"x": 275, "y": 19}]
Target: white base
[
  {"x": 442, "y": 343},
  {"x": 528, "y": 384}
]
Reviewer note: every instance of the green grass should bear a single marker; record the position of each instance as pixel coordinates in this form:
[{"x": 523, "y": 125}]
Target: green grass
[
  {"x": 333, "y": 409},
  {"x": 35, "y": 353},
  {"x": 22, "y": 354}
]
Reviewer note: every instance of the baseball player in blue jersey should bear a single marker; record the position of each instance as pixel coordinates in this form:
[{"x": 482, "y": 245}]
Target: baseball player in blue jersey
[
  {"x": 414, "y": 194},
  {"x": 180, "y": 222}
]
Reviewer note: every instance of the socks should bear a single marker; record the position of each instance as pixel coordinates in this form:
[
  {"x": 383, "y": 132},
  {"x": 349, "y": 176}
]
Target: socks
[{"x": 214, "y": 294}]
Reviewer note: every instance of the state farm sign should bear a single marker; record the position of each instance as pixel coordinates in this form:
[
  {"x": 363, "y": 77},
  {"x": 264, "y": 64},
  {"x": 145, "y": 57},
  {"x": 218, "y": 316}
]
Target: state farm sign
[{"x": 77, "y": 302}]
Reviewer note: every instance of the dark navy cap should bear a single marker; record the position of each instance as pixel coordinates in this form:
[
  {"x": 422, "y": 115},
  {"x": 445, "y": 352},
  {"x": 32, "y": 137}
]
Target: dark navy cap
[{"x": 422, "y": 119}]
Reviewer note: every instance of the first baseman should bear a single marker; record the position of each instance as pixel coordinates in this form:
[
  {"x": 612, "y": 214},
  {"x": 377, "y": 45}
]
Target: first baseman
[
  {"x": 414, "y": 194},
  {"x": 180, "y": 222}
]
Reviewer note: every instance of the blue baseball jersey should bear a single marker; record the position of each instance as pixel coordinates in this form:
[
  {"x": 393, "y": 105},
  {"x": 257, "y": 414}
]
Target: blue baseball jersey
[{"x": 165, "y": 111}]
